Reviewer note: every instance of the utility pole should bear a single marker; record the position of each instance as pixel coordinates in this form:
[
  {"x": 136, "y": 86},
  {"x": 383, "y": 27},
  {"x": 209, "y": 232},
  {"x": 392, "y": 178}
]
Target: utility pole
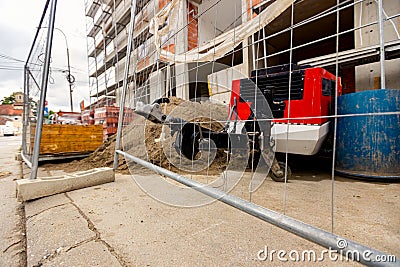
[{"x": 70, "y": 78}]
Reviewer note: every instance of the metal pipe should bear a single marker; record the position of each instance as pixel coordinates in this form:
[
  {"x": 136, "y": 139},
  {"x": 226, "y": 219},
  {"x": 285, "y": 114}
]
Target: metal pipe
[
  {"x": 167, "y": 91},
  {"x": 33, "y": 78},
  {"x": 37, "y": 31},
  {"x": 335, "y": 120},
  {"x": 88, "y": 68},
  {"x": 26, "y": 160},
  {"x": 125, "y": 83},
  {"x": 265, "y": 48},
  {"x": 45, "y": 78},
  {"x": 116, "y": 44},
  {"x": 299, "y": 228},
  {"x": 289, "y": 107},
  {"x": 382, "y": 44},
  {"x": 25, "y": 113},
  {"x": 97, "y": 76},
  {"x": 105, "y": 65}
]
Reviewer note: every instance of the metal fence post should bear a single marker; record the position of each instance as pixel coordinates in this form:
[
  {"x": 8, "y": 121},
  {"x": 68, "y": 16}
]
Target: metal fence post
[
  {"x": 125, "y": 83},
  {"x": 43, "y": 90},
  {"x": 382, "y": 44},
  {"x": 26, "y": 111}
]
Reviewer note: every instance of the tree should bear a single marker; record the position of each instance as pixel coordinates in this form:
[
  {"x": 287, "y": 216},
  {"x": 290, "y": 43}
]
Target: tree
[
  {"x": 8, "y": 100},
  {"x": 33, "y": 106}
]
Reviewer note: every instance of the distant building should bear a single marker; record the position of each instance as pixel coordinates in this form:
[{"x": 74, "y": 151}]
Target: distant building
[
  {"x": 19, "y": 100},
  {"x": 10, "y": 111},
  {"x": 13, "y": 112}
]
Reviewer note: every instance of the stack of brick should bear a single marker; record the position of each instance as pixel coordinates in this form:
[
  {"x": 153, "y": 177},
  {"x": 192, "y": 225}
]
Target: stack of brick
[
  {"x": 108, "y": 116},
  {"x": 88, "y": 117}
]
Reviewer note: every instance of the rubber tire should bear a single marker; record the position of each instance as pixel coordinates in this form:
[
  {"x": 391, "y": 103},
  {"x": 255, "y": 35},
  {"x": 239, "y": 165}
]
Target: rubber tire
[{"x": 281, "y": 179}]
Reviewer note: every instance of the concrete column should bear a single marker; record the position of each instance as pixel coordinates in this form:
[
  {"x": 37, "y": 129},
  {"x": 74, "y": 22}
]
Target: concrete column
[
  {"x": 368, "y": 76},
  {"x": 181, "y": 46},
  {"x": 246, "y": 54},
  {"x": 157, "y": 85}
]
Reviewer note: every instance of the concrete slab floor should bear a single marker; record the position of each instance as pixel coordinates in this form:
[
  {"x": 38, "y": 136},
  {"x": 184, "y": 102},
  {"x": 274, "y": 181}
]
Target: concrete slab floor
[
  {"x": 53, "y": 231},
  {"x": 92, "y": 253}
]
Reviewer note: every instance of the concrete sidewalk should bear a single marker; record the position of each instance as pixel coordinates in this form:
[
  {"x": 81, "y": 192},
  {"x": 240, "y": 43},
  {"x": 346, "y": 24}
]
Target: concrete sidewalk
[
  {"x": 116, "y": 224},
  {"x": 12, "y": 230}
]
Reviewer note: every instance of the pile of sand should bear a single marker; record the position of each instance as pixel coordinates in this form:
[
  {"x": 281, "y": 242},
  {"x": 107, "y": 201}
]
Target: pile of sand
[
  {"x": 141, "y": 139},
  {"x": 162, "y": 153}
]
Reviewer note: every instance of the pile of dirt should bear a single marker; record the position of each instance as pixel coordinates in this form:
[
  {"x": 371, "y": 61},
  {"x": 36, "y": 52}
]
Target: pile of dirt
[
  {"x": 162, "y": 153},
  {"x": 143, "y": 139},
  {"x": 160, "y": 148}
]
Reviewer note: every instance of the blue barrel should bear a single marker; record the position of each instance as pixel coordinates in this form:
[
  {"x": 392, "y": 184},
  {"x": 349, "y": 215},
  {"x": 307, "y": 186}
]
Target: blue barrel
[{"x": 369, "y": 146}]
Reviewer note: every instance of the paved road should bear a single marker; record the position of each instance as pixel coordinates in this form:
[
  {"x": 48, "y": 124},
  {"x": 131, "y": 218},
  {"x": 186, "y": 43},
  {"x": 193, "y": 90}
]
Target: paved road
[
  {"x": 12, "y": 233},
  {"x": 11, "y": 143}
]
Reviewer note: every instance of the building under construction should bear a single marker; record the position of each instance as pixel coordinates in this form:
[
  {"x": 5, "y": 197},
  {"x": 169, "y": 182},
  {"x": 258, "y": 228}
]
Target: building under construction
[
  {"x": 166, "y": 57},
  {"x": 300, "y": 56}
]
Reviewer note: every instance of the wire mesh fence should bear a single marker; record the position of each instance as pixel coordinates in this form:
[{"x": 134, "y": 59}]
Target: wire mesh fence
[
  {"x": 36, "y": 79},
  {"x": 233, "y": 93}
]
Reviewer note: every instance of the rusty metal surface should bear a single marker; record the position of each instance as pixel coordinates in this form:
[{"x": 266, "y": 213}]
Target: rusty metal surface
[{"x": 369, "y": 146}]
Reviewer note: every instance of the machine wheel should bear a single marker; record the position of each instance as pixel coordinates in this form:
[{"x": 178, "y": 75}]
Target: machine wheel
[{"x": 281, "y": 178}]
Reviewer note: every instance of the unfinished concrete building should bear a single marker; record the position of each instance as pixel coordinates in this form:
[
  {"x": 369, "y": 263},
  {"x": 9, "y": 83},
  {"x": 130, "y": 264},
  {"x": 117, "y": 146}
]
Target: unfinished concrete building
[{"x": 313, "y": 40}]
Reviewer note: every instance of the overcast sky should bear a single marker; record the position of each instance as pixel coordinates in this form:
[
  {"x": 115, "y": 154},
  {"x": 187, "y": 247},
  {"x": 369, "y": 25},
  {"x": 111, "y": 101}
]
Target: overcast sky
[{"x": 18, "y": 23}]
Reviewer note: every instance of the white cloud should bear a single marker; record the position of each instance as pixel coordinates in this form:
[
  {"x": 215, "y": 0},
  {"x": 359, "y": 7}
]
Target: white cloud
[{"x": 18, "y": 25}]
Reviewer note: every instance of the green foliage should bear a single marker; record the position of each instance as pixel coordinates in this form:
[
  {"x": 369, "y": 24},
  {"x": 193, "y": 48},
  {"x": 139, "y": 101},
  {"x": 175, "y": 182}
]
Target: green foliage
[{"x": 8, "y": 100}]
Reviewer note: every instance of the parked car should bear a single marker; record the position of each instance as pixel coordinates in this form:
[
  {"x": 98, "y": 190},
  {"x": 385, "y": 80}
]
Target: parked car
[{"x": 8, "y": 130}]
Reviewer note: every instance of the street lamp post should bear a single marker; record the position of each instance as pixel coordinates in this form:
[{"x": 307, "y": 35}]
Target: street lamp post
[{"x": 70, "y": 78}]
